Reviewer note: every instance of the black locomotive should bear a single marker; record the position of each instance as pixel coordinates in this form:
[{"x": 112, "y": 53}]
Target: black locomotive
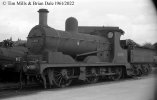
[
  {"x": 83, "y": 53},
  {"x": 10, "y": 65}
]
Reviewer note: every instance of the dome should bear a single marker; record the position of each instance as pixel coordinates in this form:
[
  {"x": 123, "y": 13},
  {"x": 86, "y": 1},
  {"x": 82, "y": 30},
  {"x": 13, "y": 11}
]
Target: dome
[{"x": 71, "y": 24}]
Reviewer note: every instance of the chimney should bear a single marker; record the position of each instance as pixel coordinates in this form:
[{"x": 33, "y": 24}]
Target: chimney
[{"x": 43, "y": 17}]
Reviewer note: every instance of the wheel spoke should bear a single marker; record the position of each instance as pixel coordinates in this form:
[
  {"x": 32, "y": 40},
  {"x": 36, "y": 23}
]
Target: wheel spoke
[
  {"x": 58, "y": 78},
  {"x": 61, "y": 77},
  {"x": 60, "y": 81},
  {"x": 58, "y": 75}
]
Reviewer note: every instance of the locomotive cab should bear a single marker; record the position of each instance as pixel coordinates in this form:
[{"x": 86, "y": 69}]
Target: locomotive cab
[{"x": 116, "y": 53}]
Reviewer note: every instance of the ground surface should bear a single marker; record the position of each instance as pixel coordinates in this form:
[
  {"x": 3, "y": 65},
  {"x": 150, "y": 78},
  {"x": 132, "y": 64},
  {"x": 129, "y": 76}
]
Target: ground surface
[{"x": 130, "y": 89}]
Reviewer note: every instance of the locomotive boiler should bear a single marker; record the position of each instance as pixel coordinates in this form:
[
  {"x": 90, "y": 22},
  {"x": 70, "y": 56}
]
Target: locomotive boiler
[
  {"x": 86, "y": 53},
  {"x": 69, "y": 42}
]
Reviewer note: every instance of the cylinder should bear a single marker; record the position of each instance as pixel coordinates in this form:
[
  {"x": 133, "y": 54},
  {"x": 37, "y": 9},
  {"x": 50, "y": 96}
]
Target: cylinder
[
  {"x": 43, "y": 17},
  {"x": 71, "y": 25}
]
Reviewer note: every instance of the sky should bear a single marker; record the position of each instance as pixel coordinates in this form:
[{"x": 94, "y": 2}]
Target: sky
[{"x": 138, "y": 18}]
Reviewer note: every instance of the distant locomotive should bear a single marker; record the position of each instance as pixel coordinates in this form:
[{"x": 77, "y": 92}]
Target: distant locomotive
[
  {"x": 9, "y": 61},
  {"x": 83, "y": 53}
]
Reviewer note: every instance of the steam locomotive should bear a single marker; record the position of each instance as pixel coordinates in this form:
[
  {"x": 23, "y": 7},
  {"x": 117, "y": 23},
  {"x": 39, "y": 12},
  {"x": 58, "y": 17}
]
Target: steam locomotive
[
  {"x": 10, "y": 56},
  {"x": 86, "y": 53}
]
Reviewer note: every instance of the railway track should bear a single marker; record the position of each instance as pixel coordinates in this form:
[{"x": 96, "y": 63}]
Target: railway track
[
  {"x": 8, "y": 86},
  {"x": 16, "y": 86}
]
